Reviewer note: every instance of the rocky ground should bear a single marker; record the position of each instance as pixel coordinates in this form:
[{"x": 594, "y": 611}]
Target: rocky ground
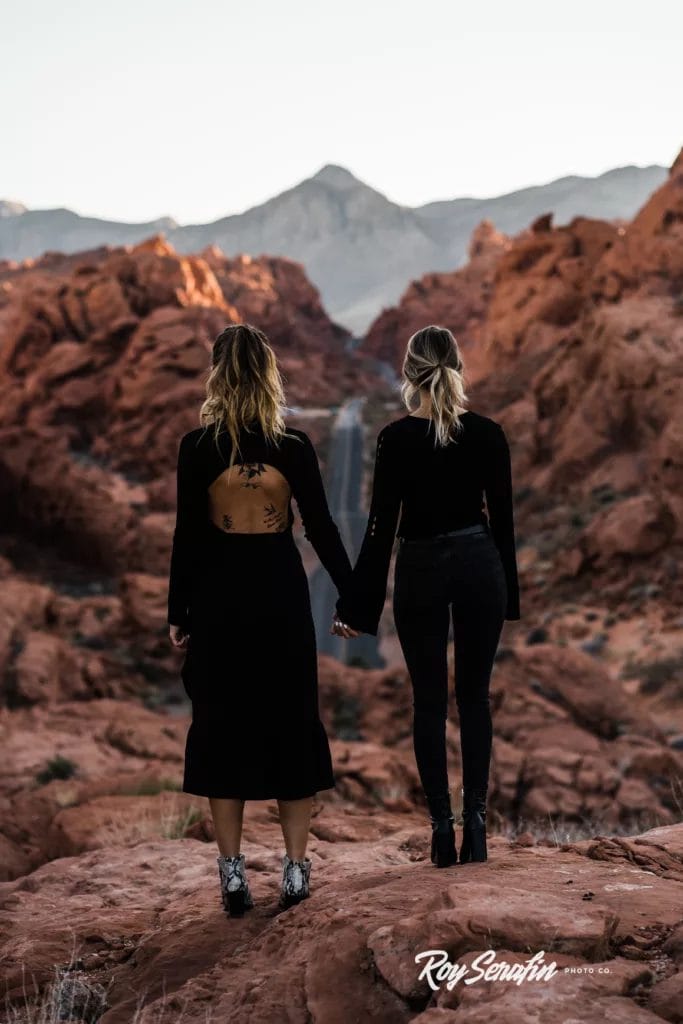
[
  {"x": 111, "y": 911},
  {"x": 142, "y": 935}
]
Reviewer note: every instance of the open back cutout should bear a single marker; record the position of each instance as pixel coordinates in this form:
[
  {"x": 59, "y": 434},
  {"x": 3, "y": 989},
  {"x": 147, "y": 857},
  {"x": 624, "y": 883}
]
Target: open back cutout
[{"x": 250, "y": 497}]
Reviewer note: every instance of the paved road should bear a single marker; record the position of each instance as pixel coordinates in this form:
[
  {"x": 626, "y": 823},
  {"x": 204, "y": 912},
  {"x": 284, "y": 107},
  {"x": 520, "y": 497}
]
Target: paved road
[{"x": 344, "y": 492}]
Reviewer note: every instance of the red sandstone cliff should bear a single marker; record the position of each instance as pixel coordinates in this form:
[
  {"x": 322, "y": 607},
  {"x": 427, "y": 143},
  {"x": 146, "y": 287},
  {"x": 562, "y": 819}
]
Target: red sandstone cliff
[{"x": 102, "y": 366}]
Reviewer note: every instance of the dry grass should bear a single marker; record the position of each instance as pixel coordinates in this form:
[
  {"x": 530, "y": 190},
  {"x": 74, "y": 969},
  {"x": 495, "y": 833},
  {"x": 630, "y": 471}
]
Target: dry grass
[
  {"x": 557, "y": 830},
  {"x": 168, "y": 818},
  {"x": 75, "y": 996}
]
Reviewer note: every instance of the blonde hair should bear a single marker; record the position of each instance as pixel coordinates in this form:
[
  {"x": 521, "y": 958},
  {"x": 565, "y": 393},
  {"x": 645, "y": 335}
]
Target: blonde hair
[
  {"x": 433, "y": 363},
  {"x": 244, "y": 388}
]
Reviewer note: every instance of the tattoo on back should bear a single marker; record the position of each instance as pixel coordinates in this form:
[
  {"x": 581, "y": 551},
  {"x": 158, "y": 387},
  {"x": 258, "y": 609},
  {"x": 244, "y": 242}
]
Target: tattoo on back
[
  {"x": 227, "y": 522},
  {"x": 251, "y": 470},
  {"x": 274, "y": 517}
]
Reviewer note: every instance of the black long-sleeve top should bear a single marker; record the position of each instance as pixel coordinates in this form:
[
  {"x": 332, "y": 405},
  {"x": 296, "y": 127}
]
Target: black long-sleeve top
[
  {"x": 436, "y": 490},
  {"x": 201, "y": 461}
]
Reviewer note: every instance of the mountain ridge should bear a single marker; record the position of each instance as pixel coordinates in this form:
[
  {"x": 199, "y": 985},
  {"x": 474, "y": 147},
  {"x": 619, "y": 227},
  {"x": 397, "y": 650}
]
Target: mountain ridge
[
  {"x": 359, "y": 248},
  {"x": 14, "y": 207}
]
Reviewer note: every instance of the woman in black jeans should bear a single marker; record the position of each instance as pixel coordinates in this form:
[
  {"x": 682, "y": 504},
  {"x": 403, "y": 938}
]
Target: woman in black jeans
[{"x": 435, "y": 466}]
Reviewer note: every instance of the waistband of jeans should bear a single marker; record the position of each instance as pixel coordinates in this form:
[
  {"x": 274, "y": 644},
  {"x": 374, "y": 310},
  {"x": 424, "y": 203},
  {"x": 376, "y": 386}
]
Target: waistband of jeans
[{"x": 465, "y": 531}]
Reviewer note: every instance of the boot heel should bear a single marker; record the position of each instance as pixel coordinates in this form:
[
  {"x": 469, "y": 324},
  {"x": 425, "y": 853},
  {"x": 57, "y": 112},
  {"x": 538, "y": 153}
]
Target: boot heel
[
  {"x": 478, "y": 845},
  {"x": 444, "y": 853},
  {"x": 296, "y": 881},
  {"x": 473, "y": 847},
  {"x": 237, "y": 904}
]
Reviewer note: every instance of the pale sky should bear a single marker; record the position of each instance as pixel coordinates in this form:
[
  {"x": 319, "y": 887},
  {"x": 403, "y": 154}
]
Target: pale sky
[{"x": 132, "y": 110}]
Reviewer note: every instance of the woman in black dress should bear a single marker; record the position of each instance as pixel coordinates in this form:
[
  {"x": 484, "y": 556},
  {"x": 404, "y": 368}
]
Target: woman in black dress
[
  {"x": 455, "y": 564},
  {"x": 239, "y": 605}
]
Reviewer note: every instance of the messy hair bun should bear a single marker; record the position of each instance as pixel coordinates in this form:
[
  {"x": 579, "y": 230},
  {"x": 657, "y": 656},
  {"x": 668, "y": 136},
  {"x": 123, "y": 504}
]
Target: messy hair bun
[{"x": 433, "y": 363}]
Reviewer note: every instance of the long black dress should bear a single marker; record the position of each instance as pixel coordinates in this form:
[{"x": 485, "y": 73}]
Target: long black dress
[{"x": 239, "y": 588}]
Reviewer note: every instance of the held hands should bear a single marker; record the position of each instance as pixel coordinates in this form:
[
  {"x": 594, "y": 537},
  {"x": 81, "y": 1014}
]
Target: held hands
[
  {"x": 179, "y": 637},
  {"x": 340, "y": 628}
]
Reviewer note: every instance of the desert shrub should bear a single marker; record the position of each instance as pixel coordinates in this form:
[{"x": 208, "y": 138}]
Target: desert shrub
[{"x": 56, "y": 768}]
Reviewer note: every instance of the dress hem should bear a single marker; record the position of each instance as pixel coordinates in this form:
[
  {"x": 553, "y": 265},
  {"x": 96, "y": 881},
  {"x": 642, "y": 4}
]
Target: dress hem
[{"x": 270, "y": 796}]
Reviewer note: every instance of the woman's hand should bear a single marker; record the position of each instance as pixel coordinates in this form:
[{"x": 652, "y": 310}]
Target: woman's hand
[
  {"x": 340, "y": 628},
  {"x": 178, "y": 636}
]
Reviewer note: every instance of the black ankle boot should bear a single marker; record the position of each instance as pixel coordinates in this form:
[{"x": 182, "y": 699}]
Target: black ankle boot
[
  {"x": 473, "y": 846},
  {"x": 444, "y": 853}
]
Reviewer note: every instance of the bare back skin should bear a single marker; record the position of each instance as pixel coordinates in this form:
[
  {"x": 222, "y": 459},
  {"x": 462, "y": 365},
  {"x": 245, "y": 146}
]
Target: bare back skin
[{"x": 250, "y": 497}]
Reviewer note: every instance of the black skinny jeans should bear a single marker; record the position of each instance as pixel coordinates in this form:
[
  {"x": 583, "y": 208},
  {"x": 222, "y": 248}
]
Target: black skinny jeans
[{"x": 436, "y": 580}]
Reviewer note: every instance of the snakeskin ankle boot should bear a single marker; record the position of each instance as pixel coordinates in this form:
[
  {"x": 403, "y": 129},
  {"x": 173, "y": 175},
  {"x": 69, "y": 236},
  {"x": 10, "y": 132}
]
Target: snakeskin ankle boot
[
  {"x": 473, "y": 847},
  {"x": 295, "y": 881},
  {"x": 234, "y": 885}
]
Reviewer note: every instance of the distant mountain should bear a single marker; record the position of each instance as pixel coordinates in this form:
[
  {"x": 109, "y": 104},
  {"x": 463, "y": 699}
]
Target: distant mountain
[
  {"x": 360, "y": 249},
  {"x": 28, "y": 233}
]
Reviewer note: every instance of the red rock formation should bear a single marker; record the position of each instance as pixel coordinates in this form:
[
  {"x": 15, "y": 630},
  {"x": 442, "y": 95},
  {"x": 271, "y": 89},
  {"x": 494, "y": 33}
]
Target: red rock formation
[
  {"x": 120, "y": 334},
  {"x": 541, "y": 283},
  {"x": 103, "y": 360}
]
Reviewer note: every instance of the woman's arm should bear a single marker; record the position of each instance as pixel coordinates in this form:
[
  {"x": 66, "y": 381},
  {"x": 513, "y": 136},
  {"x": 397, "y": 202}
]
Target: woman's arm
[
  {"x": 361, "y": 606},
  {"x": 498, "y": 490},
  {"x": 320, "y": 528},
  {"x": 190, "y": 514}
]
